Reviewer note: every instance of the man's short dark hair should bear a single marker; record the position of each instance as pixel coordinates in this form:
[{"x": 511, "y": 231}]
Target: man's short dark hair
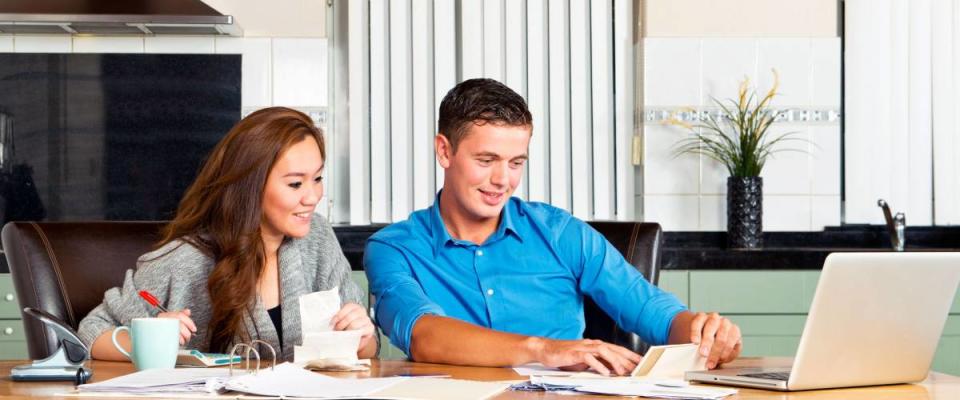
[{"x": 480, "y": 101}]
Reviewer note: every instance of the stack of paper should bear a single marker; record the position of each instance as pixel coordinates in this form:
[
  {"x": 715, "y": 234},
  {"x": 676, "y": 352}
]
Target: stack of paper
[
  {"x": 659, "y": 374},
  {"x": 320, "y": 341},
  {"x": 289, "y": 380},
  {"x": 160, "y": 381},
  {"x": 634, "y": 387}
]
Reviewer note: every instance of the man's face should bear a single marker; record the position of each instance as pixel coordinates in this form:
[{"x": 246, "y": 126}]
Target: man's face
[{"x": 486, "y": 168}]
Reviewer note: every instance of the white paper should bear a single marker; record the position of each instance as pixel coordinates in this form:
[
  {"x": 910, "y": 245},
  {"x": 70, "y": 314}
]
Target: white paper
[
  {"x": 289, "y": 380},
  {"x": 320, "y": 341},
  {"x": 539, "y": 370},
  {"x": 341, "y": 345},
  {"x": 671, "y": 361},
  {"x": 626, "y": 386},
  {"x": 160, "y": 381},
  {"x": 317, "y": 309}
]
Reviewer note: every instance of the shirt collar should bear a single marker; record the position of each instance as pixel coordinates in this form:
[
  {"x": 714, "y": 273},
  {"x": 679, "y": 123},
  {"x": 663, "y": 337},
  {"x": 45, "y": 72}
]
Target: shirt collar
[{"x": 441, "y": 236}]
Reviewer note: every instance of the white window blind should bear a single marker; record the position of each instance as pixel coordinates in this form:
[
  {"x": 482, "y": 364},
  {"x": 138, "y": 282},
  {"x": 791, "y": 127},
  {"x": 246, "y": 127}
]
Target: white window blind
[{"x": 572, "y": 60}]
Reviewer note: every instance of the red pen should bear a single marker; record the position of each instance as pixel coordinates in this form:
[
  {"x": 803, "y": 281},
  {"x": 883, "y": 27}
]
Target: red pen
[{"x": 152, "y": 300}]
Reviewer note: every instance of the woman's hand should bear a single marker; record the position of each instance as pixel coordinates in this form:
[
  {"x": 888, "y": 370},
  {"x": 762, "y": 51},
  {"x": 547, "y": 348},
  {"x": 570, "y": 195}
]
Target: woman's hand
[
  {"x": 187, "y": 327},
  {"x": 353, "y": 316}
]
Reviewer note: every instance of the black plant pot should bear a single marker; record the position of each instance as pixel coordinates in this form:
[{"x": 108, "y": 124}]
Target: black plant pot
[{"x": 745, "y": 212}]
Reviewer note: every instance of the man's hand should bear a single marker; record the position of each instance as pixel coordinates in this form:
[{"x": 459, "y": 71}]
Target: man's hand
[
  {"x": 602, "y": 357},
  {"x": 719, "y": 339}
]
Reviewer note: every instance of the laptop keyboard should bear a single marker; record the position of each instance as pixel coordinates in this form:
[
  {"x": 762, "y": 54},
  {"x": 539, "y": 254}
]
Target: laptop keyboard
[{"x": 778, "y": 376}]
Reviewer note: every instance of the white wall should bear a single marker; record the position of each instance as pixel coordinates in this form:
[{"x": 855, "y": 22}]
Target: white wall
[
  {"x": 740, "y": 18},
  {"x": 276, "y": 18}
]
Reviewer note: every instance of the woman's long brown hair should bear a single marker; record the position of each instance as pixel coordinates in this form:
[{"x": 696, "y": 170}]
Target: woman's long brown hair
[{"x": 220, "y": 213}]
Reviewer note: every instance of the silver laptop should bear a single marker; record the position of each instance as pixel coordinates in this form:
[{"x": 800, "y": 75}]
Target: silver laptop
[{"x": 876, "y": 319}]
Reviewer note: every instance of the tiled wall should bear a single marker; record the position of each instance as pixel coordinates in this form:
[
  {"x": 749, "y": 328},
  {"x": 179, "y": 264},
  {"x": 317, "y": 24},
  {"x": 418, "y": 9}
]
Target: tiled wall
[
  {"x": 276, "y": 71},
  {"x": 687, "y": 193}
]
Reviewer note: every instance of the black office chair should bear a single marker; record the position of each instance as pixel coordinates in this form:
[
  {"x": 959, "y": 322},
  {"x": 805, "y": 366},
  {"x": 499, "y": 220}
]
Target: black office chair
[
  {"x": 639, "y": 242},
  {"x": 64, "y": 268}
]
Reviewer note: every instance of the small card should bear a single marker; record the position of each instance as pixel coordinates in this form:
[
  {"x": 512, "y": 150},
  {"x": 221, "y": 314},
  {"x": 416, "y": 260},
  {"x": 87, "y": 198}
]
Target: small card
[{"x": 670, "y": 361}]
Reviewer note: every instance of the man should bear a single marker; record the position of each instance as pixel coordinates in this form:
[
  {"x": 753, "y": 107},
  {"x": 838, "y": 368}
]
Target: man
[{"x": 481, "y": 278}]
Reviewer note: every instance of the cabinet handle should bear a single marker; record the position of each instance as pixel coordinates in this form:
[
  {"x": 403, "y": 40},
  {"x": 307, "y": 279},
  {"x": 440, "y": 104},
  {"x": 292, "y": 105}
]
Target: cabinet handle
[
  {"x": 8, "y": 297},
  {"x": 8, "y": 331}
]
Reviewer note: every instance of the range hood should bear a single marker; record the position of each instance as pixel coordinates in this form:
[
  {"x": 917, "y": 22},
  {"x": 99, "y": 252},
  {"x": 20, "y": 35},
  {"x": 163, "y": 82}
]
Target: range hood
[{"x": 114, "y": 17}]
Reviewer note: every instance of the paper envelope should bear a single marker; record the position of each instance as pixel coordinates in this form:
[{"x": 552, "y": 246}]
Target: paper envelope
[{"x": 670, "y": 362}]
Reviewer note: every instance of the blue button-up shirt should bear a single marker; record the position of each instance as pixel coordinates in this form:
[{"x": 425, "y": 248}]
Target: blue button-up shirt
[{"x": 529, "y": 277}]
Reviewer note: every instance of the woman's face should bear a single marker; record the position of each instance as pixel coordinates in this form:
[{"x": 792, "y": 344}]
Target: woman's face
[{"x": 294, "y": 187}]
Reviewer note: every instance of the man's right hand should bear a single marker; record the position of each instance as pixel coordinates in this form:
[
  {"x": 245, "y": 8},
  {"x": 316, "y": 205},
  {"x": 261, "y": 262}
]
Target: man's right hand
[{"x": 579, "y": 355}]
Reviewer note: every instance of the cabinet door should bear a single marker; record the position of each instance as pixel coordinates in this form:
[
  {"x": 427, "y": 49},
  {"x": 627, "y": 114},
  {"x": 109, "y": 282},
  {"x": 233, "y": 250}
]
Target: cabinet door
[
  {"x": 753, "y": 292},
  {"x": 9, "y": 307},
  {"x": 676, "y": 282}
]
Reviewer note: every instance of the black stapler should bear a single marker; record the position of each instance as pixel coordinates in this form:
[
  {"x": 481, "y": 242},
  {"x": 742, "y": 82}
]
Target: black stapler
[{"x": 66, "y": 364}]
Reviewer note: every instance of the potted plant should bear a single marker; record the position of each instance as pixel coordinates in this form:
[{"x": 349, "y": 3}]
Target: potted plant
[{"x": 737, "y": 136}]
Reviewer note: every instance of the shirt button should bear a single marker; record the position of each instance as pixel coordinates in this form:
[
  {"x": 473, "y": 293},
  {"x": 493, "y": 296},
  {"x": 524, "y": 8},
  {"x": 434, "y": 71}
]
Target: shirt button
[
  {"x": 479, "y": 252},
  {"x": 489, "y": 292}
]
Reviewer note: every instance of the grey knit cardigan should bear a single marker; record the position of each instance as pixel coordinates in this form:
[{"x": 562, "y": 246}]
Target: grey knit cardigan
[{"x": 177, "y": 275}]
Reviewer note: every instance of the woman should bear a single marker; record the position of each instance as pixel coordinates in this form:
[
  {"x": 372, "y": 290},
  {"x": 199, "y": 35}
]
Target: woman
[{"x": 244, "y": 246}]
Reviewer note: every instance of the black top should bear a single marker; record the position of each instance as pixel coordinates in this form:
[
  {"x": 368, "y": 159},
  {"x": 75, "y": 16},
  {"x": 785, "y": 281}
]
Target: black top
[{"x": 275, "y": 317}]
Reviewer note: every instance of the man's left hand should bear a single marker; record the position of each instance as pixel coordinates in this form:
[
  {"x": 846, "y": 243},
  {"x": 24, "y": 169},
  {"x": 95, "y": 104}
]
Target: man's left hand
[{"x": 719, "y": 339}]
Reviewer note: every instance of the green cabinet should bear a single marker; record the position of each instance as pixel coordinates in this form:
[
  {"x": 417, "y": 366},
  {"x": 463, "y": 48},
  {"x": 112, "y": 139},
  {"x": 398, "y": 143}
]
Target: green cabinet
[
  {"x": 13, "y": 343},
  {"x": 771, "y": 308}
]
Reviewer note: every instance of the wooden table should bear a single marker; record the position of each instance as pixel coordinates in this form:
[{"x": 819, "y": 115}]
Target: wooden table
[{"x": 936, "y": 386}]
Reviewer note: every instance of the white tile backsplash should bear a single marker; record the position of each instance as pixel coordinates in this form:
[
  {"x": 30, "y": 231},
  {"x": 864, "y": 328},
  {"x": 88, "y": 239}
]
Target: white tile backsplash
[
  {"x": 257, "y": 67},
  {"x": 825, "y": 159},
  {"x": 108, "y": 44},
  {"x": 179, "y": 44},
  {"x": 42, "y": 44},
  {"x": 673, "y": 212},
  {"x": 671, "y": 71},
  {"x": 724, "y": 64},
  {"x": 826, "y": 211},
  {"x": 713, "y": 212},
  {"x": 6, "y": 43},
  {"x": 786, "y": 213},
  {"x": 787, "y": 171},
  {"x": 713, "y": 176},
  {"x": 300, "y": 72},
  {"x": 795, "y": 183},
  {"x": 664, "y": 171},
  {"x": 790, "y": 57},
  {"x": 825, "y": 71}
]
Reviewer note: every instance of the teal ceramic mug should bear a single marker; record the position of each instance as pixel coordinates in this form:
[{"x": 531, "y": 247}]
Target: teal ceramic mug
[{"x": 155, "y": 342}]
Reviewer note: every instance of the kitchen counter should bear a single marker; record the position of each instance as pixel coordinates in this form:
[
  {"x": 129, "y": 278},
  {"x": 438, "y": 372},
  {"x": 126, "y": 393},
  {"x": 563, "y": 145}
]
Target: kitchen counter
[{"x": 783, "y": 250}]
